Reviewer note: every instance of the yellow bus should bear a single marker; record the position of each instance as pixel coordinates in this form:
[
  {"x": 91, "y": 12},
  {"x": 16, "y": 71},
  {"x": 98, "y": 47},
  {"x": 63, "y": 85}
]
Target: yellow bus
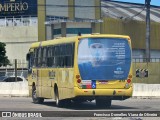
[{"x": 81, "y": 68}]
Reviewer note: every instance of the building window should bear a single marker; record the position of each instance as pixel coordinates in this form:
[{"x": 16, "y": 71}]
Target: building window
[
  {"x": 77, "y": 30},
  {"x": 56, "y": 31}
]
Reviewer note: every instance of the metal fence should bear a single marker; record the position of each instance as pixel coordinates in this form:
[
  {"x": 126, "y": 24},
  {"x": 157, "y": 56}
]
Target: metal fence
[
  {"x": 143, "y": 60},
  {"x": 23, "y": 21},
  {"x": 11, "y": 72},
  {"x": 18, "y": 66},
  {"x": 20, "y": 63},
  {"x": 152, "y": 68}
]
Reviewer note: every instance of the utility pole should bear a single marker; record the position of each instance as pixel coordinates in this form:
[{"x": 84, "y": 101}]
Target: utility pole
[
  {"x": 147, "y": 52},
  {"x": 16, "y": 70}
]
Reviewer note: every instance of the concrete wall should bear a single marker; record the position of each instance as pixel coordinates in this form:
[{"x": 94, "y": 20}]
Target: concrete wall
[
  {"x": 21, "y": 89},
  {"x": 54, "y": 8},
  {"x": 18, "y": 40},
  {"x": 146, "y": 90},
  {"x": 85, "y": 12},
  {"x": 14, "y": 89}
]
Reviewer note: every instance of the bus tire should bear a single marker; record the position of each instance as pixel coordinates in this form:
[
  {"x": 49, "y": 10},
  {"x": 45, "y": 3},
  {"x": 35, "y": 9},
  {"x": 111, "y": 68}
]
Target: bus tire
[
  {"x": 103, "y": 103},
  {"x": 35, "y": 98},
  {"x": 108, "y": 103},
  {"x": 78, "y": 101},
  {"x": 59, "y": 103}
]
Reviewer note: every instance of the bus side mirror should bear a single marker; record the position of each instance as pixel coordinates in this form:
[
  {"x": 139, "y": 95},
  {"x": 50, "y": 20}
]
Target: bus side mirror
[{"x": 27, "y": 56}]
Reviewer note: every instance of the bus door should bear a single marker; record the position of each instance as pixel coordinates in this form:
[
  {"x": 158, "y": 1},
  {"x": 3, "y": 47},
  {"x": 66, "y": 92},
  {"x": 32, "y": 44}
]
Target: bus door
[
  {"x": 38, "y": 71},
  {"x": 45, "y": 73},
  {"x": 35, "y": 79},
  {"x": 66, "y": 64}
]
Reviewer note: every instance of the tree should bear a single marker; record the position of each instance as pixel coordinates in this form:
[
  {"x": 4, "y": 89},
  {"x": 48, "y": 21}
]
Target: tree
[{"x": 3, "y": 58}]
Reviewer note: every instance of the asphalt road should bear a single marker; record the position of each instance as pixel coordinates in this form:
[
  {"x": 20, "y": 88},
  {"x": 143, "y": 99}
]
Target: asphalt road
[{"x": 25, "y": 108}]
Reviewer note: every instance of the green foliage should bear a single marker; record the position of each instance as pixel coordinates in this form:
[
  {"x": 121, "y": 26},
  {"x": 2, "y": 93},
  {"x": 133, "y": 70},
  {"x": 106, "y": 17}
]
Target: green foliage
[{"x": 3, "y": 58}]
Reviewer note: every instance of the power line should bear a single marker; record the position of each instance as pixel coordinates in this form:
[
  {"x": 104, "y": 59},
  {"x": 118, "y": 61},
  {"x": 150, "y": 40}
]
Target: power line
[
  {"x": 131, "y": 17},
  {"x": 86, "y": 6}
]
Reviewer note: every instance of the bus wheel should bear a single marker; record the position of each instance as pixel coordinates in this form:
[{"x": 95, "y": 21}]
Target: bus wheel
[
  {"x": 59, "y": 103},
  {"x": 77, "y": 101},
  {"x": 35, "y": 98},
  {"x": 103, "y": 103},
  {"x": 108, "y": 103}
]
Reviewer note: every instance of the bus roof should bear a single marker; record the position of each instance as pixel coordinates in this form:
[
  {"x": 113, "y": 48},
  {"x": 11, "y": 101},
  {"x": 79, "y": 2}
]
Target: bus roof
[
  {"x": 61, "y": 40},
  {"x": 104, "y": 35}
]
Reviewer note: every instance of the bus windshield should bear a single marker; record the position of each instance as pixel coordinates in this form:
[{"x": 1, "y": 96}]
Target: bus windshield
[{"x": 104, "y": 58}]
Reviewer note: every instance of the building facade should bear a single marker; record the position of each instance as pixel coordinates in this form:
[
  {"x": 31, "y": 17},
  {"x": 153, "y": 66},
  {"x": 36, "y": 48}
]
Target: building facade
[
  {"x": 18, "y": 27},
  {"x": 68, "y": 18}
]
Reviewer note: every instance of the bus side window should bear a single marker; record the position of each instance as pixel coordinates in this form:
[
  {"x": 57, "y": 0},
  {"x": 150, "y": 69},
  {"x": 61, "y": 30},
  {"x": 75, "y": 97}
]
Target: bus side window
[
  {"x": 53, "y": 57},
  {"x": 39, "y": 57},
  {"x": 49, "y": 56},
  {"x": 62, "y": 55},
  {"x": 43, "y": 55},
  {"x": 66, "y": 55},
  {"x": 56, "y": 56},
  {"x": 70, "y": 55},
  {"x": 35, "y": 57},
  {"x": 30, "y": 61}
]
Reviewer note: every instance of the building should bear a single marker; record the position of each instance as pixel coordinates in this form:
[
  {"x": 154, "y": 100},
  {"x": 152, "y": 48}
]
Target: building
[
  {"x": 18, "y": 27},
  {"x": 129, "y": 19},
  {"x": 68, "y": 17}
]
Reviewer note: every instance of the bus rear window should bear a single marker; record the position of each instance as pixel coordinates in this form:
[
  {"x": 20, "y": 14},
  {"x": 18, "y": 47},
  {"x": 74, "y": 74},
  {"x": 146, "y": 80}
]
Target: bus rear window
[{"x": 104, "y": 58}]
